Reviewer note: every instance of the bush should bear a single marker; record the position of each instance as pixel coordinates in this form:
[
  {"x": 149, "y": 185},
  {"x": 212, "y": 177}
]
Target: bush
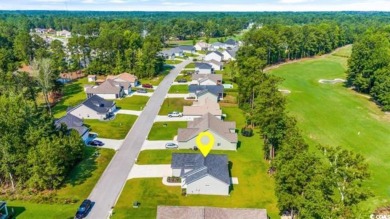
[{"x": 247, "y": 132}]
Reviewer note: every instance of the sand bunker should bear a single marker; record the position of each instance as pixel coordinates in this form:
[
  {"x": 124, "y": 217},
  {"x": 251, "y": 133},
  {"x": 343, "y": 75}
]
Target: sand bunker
[
  {"x": 334, "y": 81},
  {"x": 284, "y": 91}
]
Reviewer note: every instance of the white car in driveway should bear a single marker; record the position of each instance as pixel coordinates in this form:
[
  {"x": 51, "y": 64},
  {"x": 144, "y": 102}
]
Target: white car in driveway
[
  {"x": 171, "y": 145},
  {"x": 175, "y": 114}
]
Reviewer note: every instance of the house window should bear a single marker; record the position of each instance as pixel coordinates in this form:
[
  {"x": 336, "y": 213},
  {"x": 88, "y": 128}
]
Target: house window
[{"x": 218, "y": 144}]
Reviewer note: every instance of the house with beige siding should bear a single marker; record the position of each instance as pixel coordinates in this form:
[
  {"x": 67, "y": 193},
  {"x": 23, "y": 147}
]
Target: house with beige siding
[
  {"x": 110, "y": 89},
  {"x": 202, "y": 107},
  {"x": 123, "y": 78},
  {"x": 202, "y": 175},
  {"x": 206, "y": 79},
  {"x": 224, "y": 133}
]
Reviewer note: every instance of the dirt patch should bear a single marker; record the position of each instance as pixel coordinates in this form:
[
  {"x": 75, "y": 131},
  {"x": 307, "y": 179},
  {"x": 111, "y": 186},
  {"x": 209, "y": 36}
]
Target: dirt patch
[{"x": 334, "y": 81}]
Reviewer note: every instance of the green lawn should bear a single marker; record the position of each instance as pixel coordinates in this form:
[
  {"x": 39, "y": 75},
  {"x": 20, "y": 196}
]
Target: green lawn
[
  {"x": 73, "y": 95},
  {"x": 156, "y": 80},
  {"x": 191, "y": 54},
  {"x": 77, "y": 186},
  {"x": 178, "y": 89},
  {"x": 335, "y": 115},
  {"x": 173, "y": 62},
  {"x": 187, "y": 77},
  {"x": 174, "y": 104},
  {"x": 165, "y": 130},
  {"x": 191, "y": 65},
  {"x": 114, "y": 129},
  {"x": 255, "y": 188},
  {"x": 134, "y": 102}
]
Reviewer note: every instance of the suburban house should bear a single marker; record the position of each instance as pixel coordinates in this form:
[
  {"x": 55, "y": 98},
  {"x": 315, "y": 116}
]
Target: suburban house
[
  {"x": 202, "y": 46},
  {"x": 217, "y": 66},
  {"x": 206, "y": 79},
  {"x": 109, "y": 89},
  {"x": 172, "y": 53},
  {"x": 196, "y": 91},
  {"x": 73, "y": 122},
  {"x": 230, "y": 43},
  {"x": 202, "y": 175},
  {"x": 202, "y": 107},
  {"x": 125, "y": 77},
  {"x": 214, "y": 55},
  {"x": 225, "y": 136},
  {"x": 187, "y": 49},
  {"x": 3, "y": 210},
  {"x": 63, "y": 33},
  {"x": 94, "y": 107},
  {"x": 197, "y": 212},
  {"x": 218, "y": 45},
  {"x": 203, "y": 68},
  {"x": 229, "y": 54}
]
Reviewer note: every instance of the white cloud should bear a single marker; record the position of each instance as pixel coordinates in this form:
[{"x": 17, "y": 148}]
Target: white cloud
[
  {"x": 293, "y": 1},
  {"x": 118, "y": 1},
  {"x": 50, "y": 1},
  {"x": 88, "y": 1}
]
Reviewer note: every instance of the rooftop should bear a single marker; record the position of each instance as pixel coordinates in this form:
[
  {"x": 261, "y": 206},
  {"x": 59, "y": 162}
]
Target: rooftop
[
  {"x": 97, "y": 104},
  {"x": 72, "y": 122}
]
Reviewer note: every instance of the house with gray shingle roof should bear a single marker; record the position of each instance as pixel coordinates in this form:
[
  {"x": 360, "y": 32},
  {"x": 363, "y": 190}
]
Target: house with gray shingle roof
[
  {"x": 172, "y": 53},
  {"x": 196, "y": 91},
  {"x": 75, "y": 123},
  {"x": 215, "y": 55},
  {"x": 202, "y": 175},
  {"x": 203, "y": 68},
  {"x": 229, "y": 54},
  {"x": 187, "y": 49},
  {"x": 225, "y": 136},
  {"x": 94, "y": 107},
  {"x": 109, "y": 89}
]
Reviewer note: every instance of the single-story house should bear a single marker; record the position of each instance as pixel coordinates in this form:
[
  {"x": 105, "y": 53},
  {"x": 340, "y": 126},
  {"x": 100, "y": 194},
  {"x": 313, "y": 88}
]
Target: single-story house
[
  {"x": 92, "y": 78},
  {"x": 172, "y": 53},
  {"x": 229, "y": 54},
  {"x": 125, "y": 77},
  {"x": 230, "y": 43},
  {"x": 198, "y": 90},
  {"x": 110, "y": 89},
  {"x": 73, "y": 122},
  {"x": 187, "y": 49},
  {"x": 206, "y": 79},
  {"x": 225, "y": 136},
  {"x": 214, "y": 55},
  {"x": 200, "y": 212},
  {"x": 202, "y": 175},
  {"x": 201, "y": 46},
  {"x": 202, "y": 107},
  {"x": 3, "y": 210},
  {"x": 217, "y": 66},
  {"x": 64, "y": 33},
  {"x": 94, "y": 107},
  {"x": 218, "y": 45},
  {"x": 203, "y": 68}
]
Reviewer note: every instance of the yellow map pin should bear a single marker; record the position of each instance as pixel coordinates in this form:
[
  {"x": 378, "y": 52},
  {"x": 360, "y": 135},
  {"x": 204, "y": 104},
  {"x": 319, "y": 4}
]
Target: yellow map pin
[{"x": 205, "y": 148}]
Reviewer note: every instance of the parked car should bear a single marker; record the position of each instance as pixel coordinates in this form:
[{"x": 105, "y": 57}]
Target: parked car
[
  {"x": 182, "y": 81},
  {"x": 147, "y": 86},
  {"x": 96, "y": 143},
  {"x": 171, "y": 145},
  {"x": 143, "y": 91},
  {"x": 84, "y": 208},
  {"x": 175, "y": 114}
]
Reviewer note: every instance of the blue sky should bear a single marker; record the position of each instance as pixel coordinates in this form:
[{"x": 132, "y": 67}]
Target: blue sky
[{"x": 198, "y": 5}]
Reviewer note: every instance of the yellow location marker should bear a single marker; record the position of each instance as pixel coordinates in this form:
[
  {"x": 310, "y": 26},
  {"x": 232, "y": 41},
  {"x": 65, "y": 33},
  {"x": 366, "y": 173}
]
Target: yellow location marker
[{"x": 205, "y": 148}]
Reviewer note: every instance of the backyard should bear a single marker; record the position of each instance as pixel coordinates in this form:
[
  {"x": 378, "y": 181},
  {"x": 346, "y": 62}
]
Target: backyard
[
  {"x": 77, "y": 187},
  {"x": 165, "y": 130},
  {"x": 179, "y": 89},
  {"x": 134, "y": 102},
  {"x": 114, "y": 129},
  {"x": 174, "y": 104}
]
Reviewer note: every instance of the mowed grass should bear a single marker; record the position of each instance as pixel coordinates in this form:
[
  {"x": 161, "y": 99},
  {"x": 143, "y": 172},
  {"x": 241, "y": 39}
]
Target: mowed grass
[
  {"x": 165, "y": 130},
  {"x": 173, "y": 62},
  {"x": 178, "y": 89},
  {"x": 191, "y": 65},
  {"x": 255, "y": 188},
  {"x": 134, "y": 102},
  {"x": 174, "y": 104},
  {"x": 158, "y": 78},
  {"x": 337, "y": 116},
  {"x": 114, "y": 129},
  {"x": 73, "y": 95},
  {"x": 78, "y": 185}
]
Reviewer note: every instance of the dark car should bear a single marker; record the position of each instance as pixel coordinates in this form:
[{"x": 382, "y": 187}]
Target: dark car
[
  {"x": 147, "y": 86},
  {"x": 96, "y": 143},
  {"x": 182, "y": 81},
  {"x": 83, "y": 209},
  {"x": 143, "y": 91}
]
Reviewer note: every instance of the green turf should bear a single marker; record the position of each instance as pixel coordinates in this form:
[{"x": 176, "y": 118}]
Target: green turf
[
  {"x": 337, "y": 116},
  {"x": 174, "y": 104},
  {"x": 78, "y": 185},
  {"x": 191, "y": 65},
  {"x": 191, "y": 54},
  {"x": 173, "y": 62},
  {"x": 114, "y": 129},
  {"x": 165, "y": 130},
  {"x": 157, "y": 79},
  {"x": 178, "y": 89},
  {"x": 73, "y": 95},
  {"x": 255, "y": 188},
  {"x": 134, "y": 102}
]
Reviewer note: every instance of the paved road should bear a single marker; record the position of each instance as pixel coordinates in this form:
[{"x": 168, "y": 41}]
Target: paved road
[{"x": 111, "y": 183}]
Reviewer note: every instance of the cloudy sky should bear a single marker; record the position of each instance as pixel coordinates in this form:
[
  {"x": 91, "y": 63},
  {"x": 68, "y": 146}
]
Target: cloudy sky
[{"x": 198, "y": 5}]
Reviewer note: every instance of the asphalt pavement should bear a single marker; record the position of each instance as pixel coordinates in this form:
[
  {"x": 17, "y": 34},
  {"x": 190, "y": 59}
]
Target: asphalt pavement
[{"x": 110, "y": 185}]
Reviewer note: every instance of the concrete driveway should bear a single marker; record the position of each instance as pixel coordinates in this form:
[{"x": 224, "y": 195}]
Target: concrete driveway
[
  {"x": 150, "y": 171},
  {"x": 174, "y": 119},
  {"x": 156, "y": 145},
  {"x": 110, "y": 143}
]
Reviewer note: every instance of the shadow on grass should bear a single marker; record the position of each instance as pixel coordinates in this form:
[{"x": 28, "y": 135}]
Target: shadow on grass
[
  {"x": 69, "y": 91},
  {"x": 230, "y": 166},
  {"x": 84, "y": 169},
  {"x": 15, "y": 211}
]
